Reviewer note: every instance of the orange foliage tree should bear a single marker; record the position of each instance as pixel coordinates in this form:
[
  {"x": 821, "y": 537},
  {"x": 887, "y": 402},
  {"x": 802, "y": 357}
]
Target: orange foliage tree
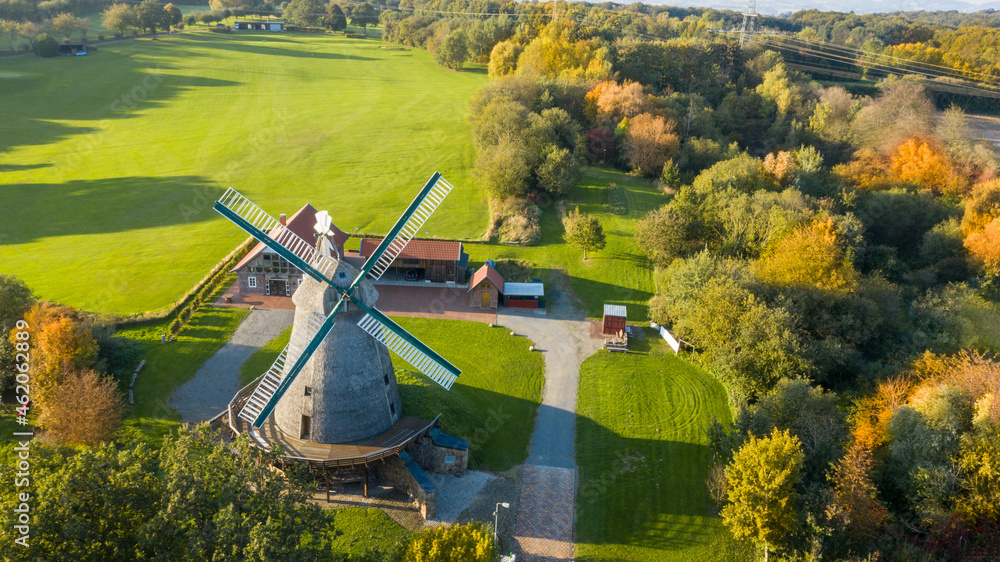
[
  {"x": 609, "y": 102},
  {"x": 649, "y": 142},
  {"x": 916, "y": 161},
  {"x": 84, "y": 409},
  {"x": 984, "y": 245},
  {"x": 981, "y": 225},
  {"x": 811, "y": 255},
  {"x": 855, "y": 507},
  {"x": 868, "y": 171}
]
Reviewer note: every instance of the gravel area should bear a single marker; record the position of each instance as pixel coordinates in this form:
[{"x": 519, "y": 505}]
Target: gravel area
[
  {"x": 453, "y": 494},
  {"x": 215, "y": 383}
]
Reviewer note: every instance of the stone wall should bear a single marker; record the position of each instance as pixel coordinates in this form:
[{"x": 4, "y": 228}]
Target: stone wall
[
  {"x": 442, "y": 460},
  {"x": 393, "y": 472}
]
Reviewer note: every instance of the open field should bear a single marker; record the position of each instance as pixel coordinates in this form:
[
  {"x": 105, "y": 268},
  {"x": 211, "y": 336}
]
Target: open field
[
  {"x": 109, "y": 163},
  {"x": 643, "y": 458},
  {"x": 492, "y": 404},
  {"x": 620, "y": 273}
]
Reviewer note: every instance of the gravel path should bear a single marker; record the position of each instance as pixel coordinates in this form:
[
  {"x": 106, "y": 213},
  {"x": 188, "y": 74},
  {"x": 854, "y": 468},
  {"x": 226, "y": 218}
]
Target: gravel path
[
  {"x": 215, "y": 383},
  {"x": 454, "y": 495},
  {"x": 545, "y": 518}
]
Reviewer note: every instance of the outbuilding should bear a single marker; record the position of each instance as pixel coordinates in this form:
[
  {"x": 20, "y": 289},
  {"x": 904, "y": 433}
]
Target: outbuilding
[
  {"x": 485, "y": 287},
  {"x": 615, "y": 318},
  {"x": 259, "y": 26}
]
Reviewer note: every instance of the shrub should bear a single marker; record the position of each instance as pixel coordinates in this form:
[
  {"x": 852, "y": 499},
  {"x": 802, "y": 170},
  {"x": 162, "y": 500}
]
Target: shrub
[
  {"x": 516, "y": 221},
  {"x": 472, "y": 542},
  {"x": 514, "y": 271},
  {"x": 45, "y": 46},
  {"x": 86, "y": 408},
  {"x": 616, "y": 200}
]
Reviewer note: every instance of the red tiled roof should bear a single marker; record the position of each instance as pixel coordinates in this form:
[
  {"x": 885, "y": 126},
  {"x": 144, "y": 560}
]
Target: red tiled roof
[
  {"x": 303, "y": 224},
  {"x": 488, "y": 273},
  {"x": 446, "y": 250}
]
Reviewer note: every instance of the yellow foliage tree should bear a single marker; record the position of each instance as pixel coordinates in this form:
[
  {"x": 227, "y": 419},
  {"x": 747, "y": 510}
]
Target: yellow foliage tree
[
  {"x": 811, "y": 255},
  {"x": 649, "y": 142},
  {"x": 982, "y": 207},
  {"x": 609, "y": 102},
  {"x": 472, "y": 542},
  {"x": 984, "y": 245},
  {"x": 916, "y": 161},
  {"x": 868, "y": 170},
  {"x": 781, "y": 166}
]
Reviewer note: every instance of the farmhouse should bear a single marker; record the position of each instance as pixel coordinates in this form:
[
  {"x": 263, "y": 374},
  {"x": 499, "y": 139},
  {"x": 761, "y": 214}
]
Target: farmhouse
[
  {"x": 259, "y": 25},
  {"x": 438, "y": 261},
  {"x": 263, "y": 272}
]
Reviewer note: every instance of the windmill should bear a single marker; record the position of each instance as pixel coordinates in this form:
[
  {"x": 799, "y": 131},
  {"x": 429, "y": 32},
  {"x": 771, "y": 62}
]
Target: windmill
[{"x": 340, "y": 373}]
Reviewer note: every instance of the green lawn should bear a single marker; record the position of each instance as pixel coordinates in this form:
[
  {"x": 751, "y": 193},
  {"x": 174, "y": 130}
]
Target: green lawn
[
  {"x": 366, "y": 531},
  {"x": 492, "y": 404},
  {"x": 171, "y": 364},
  {"x": 619, "y": 273},
  {"x": 643, "y": 458},
  {"x": 109, "y": 163}
]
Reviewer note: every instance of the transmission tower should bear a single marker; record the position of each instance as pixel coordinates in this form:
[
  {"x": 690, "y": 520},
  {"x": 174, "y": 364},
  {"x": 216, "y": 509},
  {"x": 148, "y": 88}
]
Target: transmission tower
[{"x": 749, "y": 15}]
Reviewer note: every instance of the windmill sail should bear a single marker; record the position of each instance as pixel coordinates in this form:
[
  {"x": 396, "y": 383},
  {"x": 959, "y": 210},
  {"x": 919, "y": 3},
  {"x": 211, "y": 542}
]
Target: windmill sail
[
  {"x": 265, "y": 228},
  {"x": 407, "y": 347},
  {"x": 408, "y": 225}
]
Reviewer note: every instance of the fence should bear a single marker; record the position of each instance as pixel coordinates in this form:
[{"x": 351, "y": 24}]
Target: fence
[{"x": 668, "y": 337}]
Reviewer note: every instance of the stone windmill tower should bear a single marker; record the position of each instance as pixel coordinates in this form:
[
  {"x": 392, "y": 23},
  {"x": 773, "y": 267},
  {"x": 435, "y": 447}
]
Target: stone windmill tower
[{"x": 334, "y": 382}]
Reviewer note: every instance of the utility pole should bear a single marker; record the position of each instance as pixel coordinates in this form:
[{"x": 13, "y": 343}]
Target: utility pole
[{"x": 749, "y": 15}]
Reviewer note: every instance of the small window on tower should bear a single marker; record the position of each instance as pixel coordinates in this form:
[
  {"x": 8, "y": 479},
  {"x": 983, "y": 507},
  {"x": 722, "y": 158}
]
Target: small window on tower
[
  {"x": 309, "y": 391},
  {"x": 392, "y": 408},
  {"x": 342, "y": 275},
  {"x": 385, "y": 379}
]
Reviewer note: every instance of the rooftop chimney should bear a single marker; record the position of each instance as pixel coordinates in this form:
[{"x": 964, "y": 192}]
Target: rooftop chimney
[{"x": 281, "y": 219}]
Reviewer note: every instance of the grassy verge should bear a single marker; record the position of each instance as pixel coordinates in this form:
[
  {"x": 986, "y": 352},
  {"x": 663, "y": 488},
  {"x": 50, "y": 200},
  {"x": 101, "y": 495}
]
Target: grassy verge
[
  {"x": 170, "y": 365},
  {"x": 492, "y": 404},
  {"x": 362, "y": 531},
  {"x": 619, "y": 273},
  {"x": 643, "y": 459}
]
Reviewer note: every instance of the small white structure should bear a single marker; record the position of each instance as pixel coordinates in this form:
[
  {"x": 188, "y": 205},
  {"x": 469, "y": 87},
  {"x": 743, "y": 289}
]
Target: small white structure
[{"x": 259, "y": 26}]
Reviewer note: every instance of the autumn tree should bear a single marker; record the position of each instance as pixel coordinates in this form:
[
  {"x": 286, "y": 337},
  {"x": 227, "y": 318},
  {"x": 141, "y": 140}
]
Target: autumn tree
[
  {"x": 607, "y": 103},
  {"x": 901, "y": 111},
  {"x": 584, "y": 232},
  {"x": 917, "y": 162},
  {"x": 762, "y": 502},
  {"x": 783, "y": 88},
  {"x": 649, "y": 142},
  {"x": 119, "y": 16},
  {"x": 810, "y": 255},
  {"x": 85, "y": 408},
  {"x": 503, "y": 59},
  {"x": 15, "y": 300},
  {"x": 855, "y": 507},
  {"x": 984, "y": 245},
  {"x": 62, "y": 345},
  {"x": 979, "y": 461}
]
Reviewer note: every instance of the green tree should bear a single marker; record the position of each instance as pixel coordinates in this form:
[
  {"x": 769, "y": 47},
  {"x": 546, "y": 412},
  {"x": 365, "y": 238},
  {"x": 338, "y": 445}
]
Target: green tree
[
  {"x": 584, "y": 232},
  {"x": 64, "y": 23},
  {"x": 663, "y": 235},
  {"x": 172, "y": 15},
  {"x": 503, "y": 59},
  {"x": 305, "y": 12},
  {"x": 364, "y": 14},
  {"x": 45, "y": 46},
  {"x": 149, "y": 16},
  {"x": 15, "y": 300},
  {"x": 503, "y": 170},
  {"x": 119, "y": 16},
  {"x": 335, "y": 18},
  {"x": 454, "y": 50},
  {"x": 762, "y": 501},
  {"x": 558, "y": 172},
  {"x": 979, "y": 461}
]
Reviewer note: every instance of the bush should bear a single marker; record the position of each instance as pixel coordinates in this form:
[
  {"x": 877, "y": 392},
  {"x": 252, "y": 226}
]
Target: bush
[
  {"x": 472, "y": 542},
  {"x": 217, "y": 29},
  {"x": 85, "y": 409},
  {"x": 616, "y": 200},
  {"x": 516, "y": 221},
  {"x": 45, "y": 46}
]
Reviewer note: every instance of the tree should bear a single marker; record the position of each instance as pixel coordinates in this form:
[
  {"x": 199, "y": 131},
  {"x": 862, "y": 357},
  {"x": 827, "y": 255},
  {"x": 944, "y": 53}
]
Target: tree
[
  {"x": 855, "y": 507},
  {"x": 471, "y": 542},
  {"x": 915, "y": 161},
  {"x": 364, "y": 14},
  {"x": 984, "y": 245},
  {"x": 61, "y": 345},
  {"x": 454, "y": 50},
  {"x": 503, "y": 59},
  {"x": 811, "y": 255},
  {"x": 979, "y": 461},
  {"x": 584, "y": 232},
  {"x": 15, "y": 300},
  {"x": 149, "y": 16},
  {"x": 119, "y": 16},
  {"x": 305, "y": 12},
  {"x": 335, "y": 18},
  {"x": 762, "y": 498},
  {"x": 662, "y": 235},
  {"x": 503, "y": 170},
  {"x": 609, "y": 102},
  {"x": 45, "y": 46},
  {"x": 172, "y": 15},
  {"x": 9, "y": 30},
  {"x": 558, "y": 172},
  {"x": 649, "y": 142},
  {"x": 64, "y": 23},
  {"x": 85, "y": 409}
]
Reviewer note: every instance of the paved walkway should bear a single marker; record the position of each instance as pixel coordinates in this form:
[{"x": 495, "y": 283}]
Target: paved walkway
[
  {"x": 215, "y": 383},
  {"x": 545, "y": 518}
]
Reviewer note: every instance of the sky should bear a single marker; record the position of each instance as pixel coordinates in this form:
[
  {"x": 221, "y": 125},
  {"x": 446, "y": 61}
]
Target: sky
[{"x": 774, "y": 7}]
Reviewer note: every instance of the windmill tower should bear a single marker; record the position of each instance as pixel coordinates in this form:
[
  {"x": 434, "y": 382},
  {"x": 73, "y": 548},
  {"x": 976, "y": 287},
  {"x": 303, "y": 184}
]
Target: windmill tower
[{"x": 334, "y": 382}]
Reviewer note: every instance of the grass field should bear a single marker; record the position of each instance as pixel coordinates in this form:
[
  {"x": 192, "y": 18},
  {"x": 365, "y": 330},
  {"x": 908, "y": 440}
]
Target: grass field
[
  {"x": 643, "y": 458},
  {"x": 619, "y": 273},
  {"x": 109, "y": 163}
]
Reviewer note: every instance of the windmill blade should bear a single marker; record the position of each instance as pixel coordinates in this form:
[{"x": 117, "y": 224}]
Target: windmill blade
[
  {"x": 298, "y": 352},
  {"x": 280, "y": 239},
  {"x": 408, "y": 225},
  {"x": 407, "y": 347},
  {"x": 323, "y": 222}
]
